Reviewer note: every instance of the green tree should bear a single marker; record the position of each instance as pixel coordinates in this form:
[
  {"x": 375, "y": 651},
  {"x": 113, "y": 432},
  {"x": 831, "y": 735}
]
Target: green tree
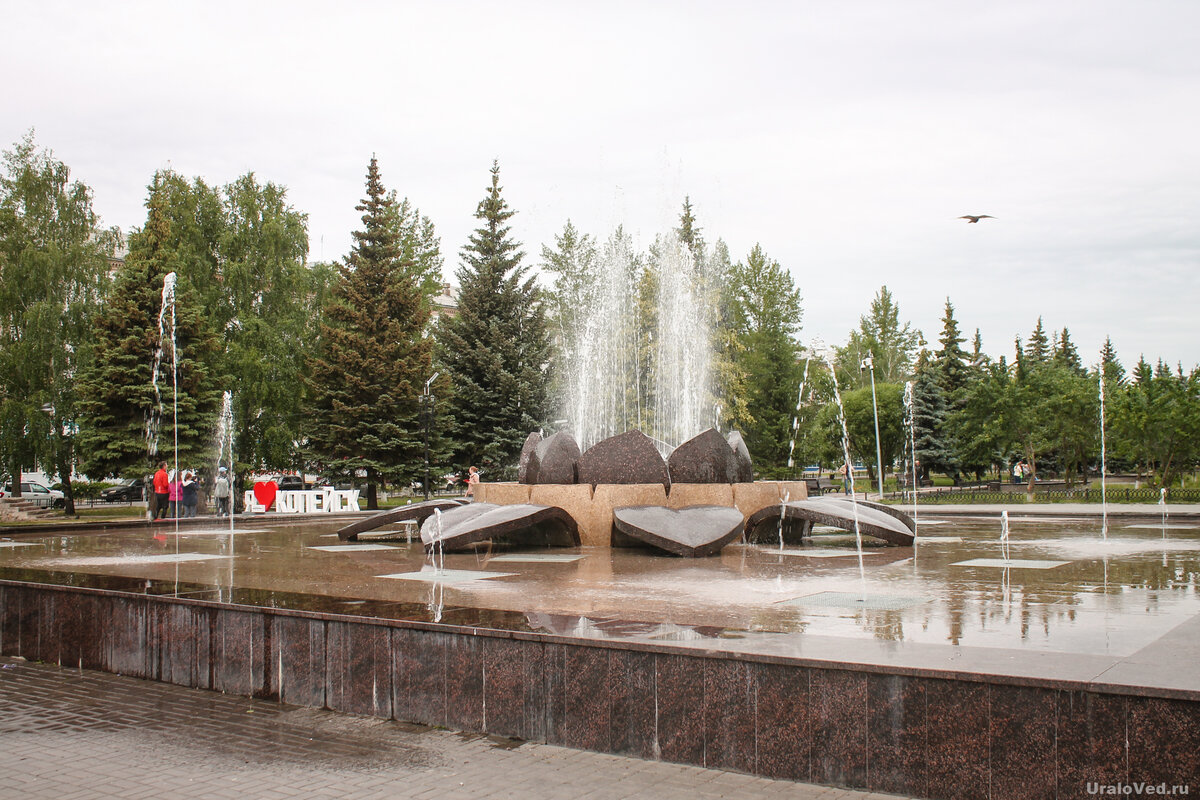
[
  {"x": 373, "y": 358},
  {"x": 496, "y": 349},
  {"x": 860, "y": 424},
  {"x": 933, "y": 449},
  {"x": 267, "y": 311},
  {"x": 53, "y": 261},
  {"x": 769, "y": 312},
  {"x": 124, "y": 425},
  {"x": 1038, "y": 349},
  {"x": 951, "y": 358},
  {"x": 893, "y": 346},
  {"x": 1114, "y": 373}
]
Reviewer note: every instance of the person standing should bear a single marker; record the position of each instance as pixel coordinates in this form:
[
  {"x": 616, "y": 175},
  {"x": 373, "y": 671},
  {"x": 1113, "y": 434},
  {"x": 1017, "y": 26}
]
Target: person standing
[
  {"x": 162, "y": 490},
  {"x": 174, "y": 493},
  {"x": 221, "y": 492},
  {"x": 189, "y": 494},
  {"x": 472, "y": 481}
]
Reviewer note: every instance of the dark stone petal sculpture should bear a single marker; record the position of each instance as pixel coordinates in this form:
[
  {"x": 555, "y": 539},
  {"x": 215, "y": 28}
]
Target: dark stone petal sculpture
[
  {"x": 839, "y": 514},
  {"x": 527, "y": 465},
  {"x": 413, "y": 511},
  {"x": 556, "y": 457},
  {"x": 523, "y": 523},
  {"x": 767, "y": 528},
  {"x": 743, "y": 464},
  {"x": 628, "y": 458},
  {"x": 693, "y": 531},
  {"x": 706, "y": 458},
  {"x": 891, "y": 511}
]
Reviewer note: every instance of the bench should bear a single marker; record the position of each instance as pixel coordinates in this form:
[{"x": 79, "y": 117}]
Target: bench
[{"x": 819, "y": 486}]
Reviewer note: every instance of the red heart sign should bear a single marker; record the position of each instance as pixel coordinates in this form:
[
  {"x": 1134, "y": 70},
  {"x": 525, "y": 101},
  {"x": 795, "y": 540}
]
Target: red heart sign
[{"x": 264, "y": 493}]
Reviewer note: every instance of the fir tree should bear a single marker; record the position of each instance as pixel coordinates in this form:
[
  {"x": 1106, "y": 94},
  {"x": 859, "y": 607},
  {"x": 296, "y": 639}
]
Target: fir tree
[
  {"x": 1114, "y": 373},
  {"x": 117, "y": 398},
  {"x": 373, "y": 359},
  {"x": 690, "y": 233},
  {"x": 933, "y": 449},
  {"x": 1038, "y": 349},
  {"x": 951, "y": 359},
  {"x": 496, "y": 349},
  {"x": 1066, "y": 355}
]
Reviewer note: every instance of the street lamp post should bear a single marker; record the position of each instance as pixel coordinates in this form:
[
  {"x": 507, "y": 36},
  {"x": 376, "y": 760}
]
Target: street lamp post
[
  {"x": 427, "y": 400},
  {"x": 869, "y": 363}
]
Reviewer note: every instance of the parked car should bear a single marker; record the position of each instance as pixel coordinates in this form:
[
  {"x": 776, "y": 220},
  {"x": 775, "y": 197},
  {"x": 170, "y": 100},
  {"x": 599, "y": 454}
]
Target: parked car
[
  {"x": 37, "y": 494},
  {"x": 290, "y": 483},
  {"x": 126, "y": 491}
]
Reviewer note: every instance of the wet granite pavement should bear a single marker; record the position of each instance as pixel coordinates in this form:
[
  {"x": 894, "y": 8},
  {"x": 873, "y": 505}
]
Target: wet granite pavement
[{"x": 69, "y": 733}]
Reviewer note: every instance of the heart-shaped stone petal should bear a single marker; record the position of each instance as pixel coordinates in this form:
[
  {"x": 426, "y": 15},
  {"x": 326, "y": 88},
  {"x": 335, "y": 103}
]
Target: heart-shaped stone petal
[{"x": 692, "y": 531}]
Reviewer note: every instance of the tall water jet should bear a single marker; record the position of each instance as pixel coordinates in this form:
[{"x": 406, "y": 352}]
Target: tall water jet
[
  {"x": 154, "y": 419},
  {"x": 849, "y": 467},
  {"x": 1162, "y": 507},
  {"x": 910, "y": 422},
  {"x": 1004, "y": 551},
  {"x": 1103, "y": 464},
  {"x": 791, "y": 462},
  {"x": 635, "y": 365},
  {"x": 225, "y": 452},
  {"x": 165, "y": 322}
]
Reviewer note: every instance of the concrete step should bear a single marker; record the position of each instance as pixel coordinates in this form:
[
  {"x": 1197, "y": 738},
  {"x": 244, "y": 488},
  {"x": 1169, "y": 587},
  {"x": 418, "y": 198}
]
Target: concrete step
[{"x": 19, "y": 508}]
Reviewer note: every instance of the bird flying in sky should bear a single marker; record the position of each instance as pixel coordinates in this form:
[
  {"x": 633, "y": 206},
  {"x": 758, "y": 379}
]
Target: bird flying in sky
[{"x": 970, "y": 218}]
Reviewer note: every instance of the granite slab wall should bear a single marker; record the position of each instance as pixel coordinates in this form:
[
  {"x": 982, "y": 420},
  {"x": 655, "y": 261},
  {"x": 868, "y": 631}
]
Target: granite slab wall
[{"x": 844, "y": 725}]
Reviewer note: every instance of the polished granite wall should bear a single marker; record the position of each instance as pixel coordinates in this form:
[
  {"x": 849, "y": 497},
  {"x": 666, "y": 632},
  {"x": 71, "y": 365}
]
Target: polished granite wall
[{"x": 846, "y": 725}]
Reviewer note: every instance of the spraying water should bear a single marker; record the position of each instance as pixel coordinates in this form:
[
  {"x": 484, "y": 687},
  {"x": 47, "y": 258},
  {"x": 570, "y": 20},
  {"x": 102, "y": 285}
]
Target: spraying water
[
  {"x": 618, "y": 380},
  {"x": 1004, "y": 552},
  {"x": 837, "y": 396},
  {"x": 911, "y": 425},
  {"x": 1103, "y": 464},
  {"x": 796, "y": 417},
  {"x": 1162, "y": 507},
  {"x": 225, "y": 452},
  {"x": 154, "y": 420}
]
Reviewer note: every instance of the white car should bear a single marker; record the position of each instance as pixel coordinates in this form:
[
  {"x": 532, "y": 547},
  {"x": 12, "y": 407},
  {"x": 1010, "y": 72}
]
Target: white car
[{"x": 38, "y": 495}]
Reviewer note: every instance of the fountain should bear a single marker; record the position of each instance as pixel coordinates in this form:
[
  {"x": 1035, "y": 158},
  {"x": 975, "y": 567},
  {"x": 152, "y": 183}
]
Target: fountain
[
  {"x": 616, "y": 381},
  {"x": 910, "y": 425},
  {"x": 154, "y": 419},
  {"x": 1103, "y": 463},
  {"x": 920, "y": 682}
]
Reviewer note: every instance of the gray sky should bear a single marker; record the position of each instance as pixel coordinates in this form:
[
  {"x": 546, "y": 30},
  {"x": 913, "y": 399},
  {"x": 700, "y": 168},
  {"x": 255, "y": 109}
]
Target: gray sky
[{"x": 845, "y": 137}]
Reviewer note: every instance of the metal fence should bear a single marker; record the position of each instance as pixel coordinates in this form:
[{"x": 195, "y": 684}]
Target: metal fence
[{"x": 1090, "y": 494}]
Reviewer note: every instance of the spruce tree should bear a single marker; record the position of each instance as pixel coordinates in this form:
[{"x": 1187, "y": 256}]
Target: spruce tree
[
  {"x": 118, "y": 402},
  {"x": 496, "y": 349},
  {"x": 373, "y": 359},
  {"x": 1114, "y": 373},
  {"x": 1038, "y": 349},
  {"x": 1066, "y": 355},
  {"x": 951, "y": 359},
  {"x": 932, "y": 447}
]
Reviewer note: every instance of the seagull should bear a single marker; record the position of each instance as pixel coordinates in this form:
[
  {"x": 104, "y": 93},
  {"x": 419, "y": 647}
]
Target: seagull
[{"x": 971, "y": 219}]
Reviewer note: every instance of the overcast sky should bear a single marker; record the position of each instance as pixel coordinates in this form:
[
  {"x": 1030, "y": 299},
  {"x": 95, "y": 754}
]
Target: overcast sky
[{"x": 845, "y": 137}]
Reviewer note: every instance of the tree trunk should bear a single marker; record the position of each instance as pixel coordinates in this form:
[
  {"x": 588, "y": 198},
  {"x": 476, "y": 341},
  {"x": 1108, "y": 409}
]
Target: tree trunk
[
  {"x": 68, "y": 494},
  {"x": 15, "y": 483}
]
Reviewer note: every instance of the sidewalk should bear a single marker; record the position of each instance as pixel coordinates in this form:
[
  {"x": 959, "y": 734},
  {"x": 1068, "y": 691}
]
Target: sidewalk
[{"x": 67, "y": 733}]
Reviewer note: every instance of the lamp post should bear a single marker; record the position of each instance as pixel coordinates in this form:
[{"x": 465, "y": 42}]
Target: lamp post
[
  {"x": 869, "y": 363},
  {"x": 427, "y": 406}
]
